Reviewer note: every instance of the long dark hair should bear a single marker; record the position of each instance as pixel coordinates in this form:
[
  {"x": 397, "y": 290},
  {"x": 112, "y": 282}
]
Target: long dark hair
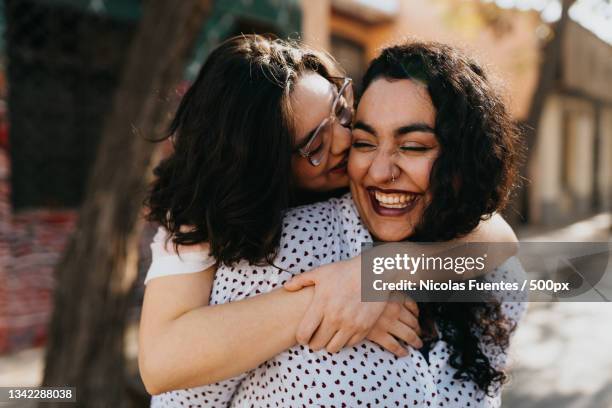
[
  {"x": 471, "y": 178},
  {"x": 228, "y": 180}
]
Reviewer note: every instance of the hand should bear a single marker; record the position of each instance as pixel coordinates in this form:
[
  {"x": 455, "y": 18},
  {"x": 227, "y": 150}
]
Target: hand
[
  {"x": 336, "y": 316},
  {"x": 399, "y": 320}
]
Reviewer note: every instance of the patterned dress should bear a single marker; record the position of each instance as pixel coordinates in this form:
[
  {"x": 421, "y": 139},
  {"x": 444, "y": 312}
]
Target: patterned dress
[{"x": 364, "y": 375}]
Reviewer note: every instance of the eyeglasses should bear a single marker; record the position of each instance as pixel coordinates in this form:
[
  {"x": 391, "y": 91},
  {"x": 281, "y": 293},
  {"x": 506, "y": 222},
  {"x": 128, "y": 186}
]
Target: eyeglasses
[{"x": 317, "y": 146}]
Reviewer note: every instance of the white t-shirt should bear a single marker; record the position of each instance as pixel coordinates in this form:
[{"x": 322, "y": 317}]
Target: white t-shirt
[
  {"x": 363, "y": 375},
  {"x": 165, "y": 261}
]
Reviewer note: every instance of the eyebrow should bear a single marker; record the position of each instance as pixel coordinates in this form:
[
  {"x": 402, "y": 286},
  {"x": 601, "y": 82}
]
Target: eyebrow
[
  {"x": 415, "y": 127},
  {"x": 400, "y": 131},
  {"x": 364, "y": 126}
]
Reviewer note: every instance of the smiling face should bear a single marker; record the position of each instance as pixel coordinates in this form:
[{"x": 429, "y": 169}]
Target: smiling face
[
  {"x": 311, "y": 100},
  {"x": 393, "y": 150}
]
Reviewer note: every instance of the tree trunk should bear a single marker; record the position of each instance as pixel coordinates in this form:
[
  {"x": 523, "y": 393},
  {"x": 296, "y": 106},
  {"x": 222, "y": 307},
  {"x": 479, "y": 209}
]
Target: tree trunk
[
  {"x": 98, "y": 270},
  {"x": 549, "y": 73}
]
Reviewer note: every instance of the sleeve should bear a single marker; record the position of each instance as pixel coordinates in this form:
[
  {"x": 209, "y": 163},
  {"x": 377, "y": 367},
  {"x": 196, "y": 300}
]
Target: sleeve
[
  {"x": 513, "y": 305},
  {"x": 165, "y": 261},
  {"x": 513, "y": 302}
]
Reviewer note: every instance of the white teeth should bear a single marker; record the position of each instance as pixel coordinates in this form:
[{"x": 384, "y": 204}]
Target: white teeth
[
  {"x": 395, "y": 200},
  {"x": 393, "y": 205}
]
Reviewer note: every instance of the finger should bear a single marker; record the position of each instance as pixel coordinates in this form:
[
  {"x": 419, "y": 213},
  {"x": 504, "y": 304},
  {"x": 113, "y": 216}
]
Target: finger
[
  {"x": 389, "y": 343},
  {"x": 338, "y": 341},
  {"x": 356, "y": 339},
  {"x": 309, "y": 323},
  {"x": 299, "y": 281},
  {"x": 408, "y": 318},
  {"x": 405, "y": 333},
  {"x": 412, "y": 306},
  {"x": 326, "y": 330}
]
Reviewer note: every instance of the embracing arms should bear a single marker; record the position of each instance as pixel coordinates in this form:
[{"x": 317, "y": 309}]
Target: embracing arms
[
  {"x": 185, "y": 343},
  {"x": 316, "y": 328}
]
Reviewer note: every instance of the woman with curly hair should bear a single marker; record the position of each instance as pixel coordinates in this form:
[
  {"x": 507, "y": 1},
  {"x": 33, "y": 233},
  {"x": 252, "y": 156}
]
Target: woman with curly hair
[
  {"x": 430, "y": 128},
  {"x": 433, "y": 149},
  {"x": 328, "y": 232}
]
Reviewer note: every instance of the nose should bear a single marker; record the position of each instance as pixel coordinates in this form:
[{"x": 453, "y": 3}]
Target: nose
[
  {"x": 382, "y": 167},
  {"x": 341, "y": 140}
]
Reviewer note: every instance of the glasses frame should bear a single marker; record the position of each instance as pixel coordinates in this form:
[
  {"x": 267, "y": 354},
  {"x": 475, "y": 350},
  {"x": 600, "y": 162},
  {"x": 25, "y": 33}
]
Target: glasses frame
[{"x": 304, "y": 151}]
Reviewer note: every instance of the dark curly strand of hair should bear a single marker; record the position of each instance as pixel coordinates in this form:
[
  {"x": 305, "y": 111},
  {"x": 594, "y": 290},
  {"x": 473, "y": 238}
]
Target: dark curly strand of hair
[
  {"x": 228, "y": 179},
  {"x": 471, "y": 179}
]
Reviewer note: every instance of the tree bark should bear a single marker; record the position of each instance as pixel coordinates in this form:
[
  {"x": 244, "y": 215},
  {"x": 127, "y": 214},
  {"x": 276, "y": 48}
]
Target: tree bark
[
  {"x": 548, "y": 76},
  {"x": 98, "y": 270}
]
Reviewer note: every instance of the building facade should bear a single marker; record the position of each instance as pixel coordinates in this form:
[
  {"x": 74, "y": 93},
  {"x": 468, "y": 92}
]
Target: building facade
[{"x": 571, "y": 166}]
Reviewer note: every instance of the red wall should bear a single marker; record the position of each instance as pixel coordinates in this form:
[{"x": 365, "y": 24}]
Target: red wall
[{"x": 31, "y": 243}]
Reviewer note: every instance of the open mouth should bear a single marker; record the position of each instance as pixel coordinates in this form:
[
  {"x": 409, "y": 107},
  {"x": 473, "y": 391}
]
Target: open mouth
[{"x": 392, "y": 202}]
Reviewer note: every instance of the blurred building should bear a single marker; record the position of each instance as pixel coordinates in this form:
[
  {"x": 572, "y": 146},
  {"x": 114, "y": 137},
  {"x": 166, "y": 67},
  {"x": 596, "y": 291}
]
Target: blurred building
[
  {"x": 62, "y": 60},
  {"x": 571, "y": 168}
]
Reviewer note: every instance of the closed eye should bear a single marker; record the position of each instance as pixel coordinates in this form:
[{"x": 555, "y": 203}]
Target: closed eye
[
  {"x": 415, "y": 148},
  {"x": 361, "y": 145}
]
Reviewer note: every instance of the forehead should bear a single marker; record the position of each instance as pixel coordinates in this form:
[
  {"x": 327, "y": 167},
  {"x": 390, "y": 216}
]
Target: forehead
[
  {"x": 311, "y": 100},
  {"x": 311, "y": 85},
  {"x": 391, "y": 104}
]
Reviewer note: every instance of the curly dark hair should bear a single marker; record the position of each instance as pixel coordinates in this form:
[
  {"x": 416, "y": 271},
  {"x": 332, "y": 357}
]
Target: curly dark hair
[
  {"x": 234, "y": 125},
  {"x": 471, "y": 179},
  {"x": 479, "y": 143}
]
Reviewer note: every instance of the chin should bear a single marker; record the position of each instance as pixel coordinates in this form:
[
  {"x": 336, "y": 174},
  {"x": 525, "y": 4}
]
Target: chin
[
  {"x": 390, "y": 234},
  {"x": 336, "y": 183}
]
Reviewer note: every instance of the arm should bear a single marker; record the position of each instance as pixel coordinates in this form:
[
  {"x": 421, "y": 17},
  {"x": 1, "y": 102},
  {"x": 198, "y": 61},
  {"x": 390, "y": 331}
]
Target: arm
[
  {"x": 318, "y": 331},
  {"x": 185, "y": 343},
  {"x": 495, "y": 230}
]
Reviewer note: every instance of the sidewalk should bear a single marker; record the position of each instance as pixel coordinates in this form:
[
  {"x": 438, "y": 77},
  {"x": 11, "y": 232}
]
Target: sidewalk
[
  {"x": 561, "y": 353},
  {"x": 25, "y": 368}
]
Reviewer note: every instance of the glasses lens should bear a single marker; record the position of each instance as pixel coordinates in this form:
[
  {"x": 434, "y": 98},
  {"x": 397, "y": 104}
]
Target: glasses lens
[
  {"x": 348, "y": 94},
  {"x": 341, "y": 105},
  {"x": 320, "y": 143},
  {"x": 345, "y": 116},
  {"x": 317, "y": 141},
  {"x": 317, "y": 148},
  {"x": 344, "y": 106}
]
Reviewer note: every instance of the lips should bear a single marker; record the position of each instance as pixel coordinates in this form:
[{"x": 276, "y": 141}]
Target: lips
[
  {"x": 340, "y": 168},
  {"x": 393, "y": 202}
]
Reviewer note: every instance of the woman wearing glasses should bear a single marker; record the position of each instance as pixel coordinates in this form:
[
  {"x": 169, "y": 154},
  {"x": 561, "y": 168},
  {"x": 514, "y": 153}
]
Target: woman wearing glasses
[{"x": 254, "y": 136}]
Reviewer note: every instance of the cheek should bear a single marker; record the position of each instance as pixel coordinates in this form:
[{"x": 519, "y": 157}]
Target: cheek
[
  {"x": 357, "y": 167},
  {"x": 305, "y": 175},
  {"x": 425, "y": 172},
  {"x": 419, "y": 170}
]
